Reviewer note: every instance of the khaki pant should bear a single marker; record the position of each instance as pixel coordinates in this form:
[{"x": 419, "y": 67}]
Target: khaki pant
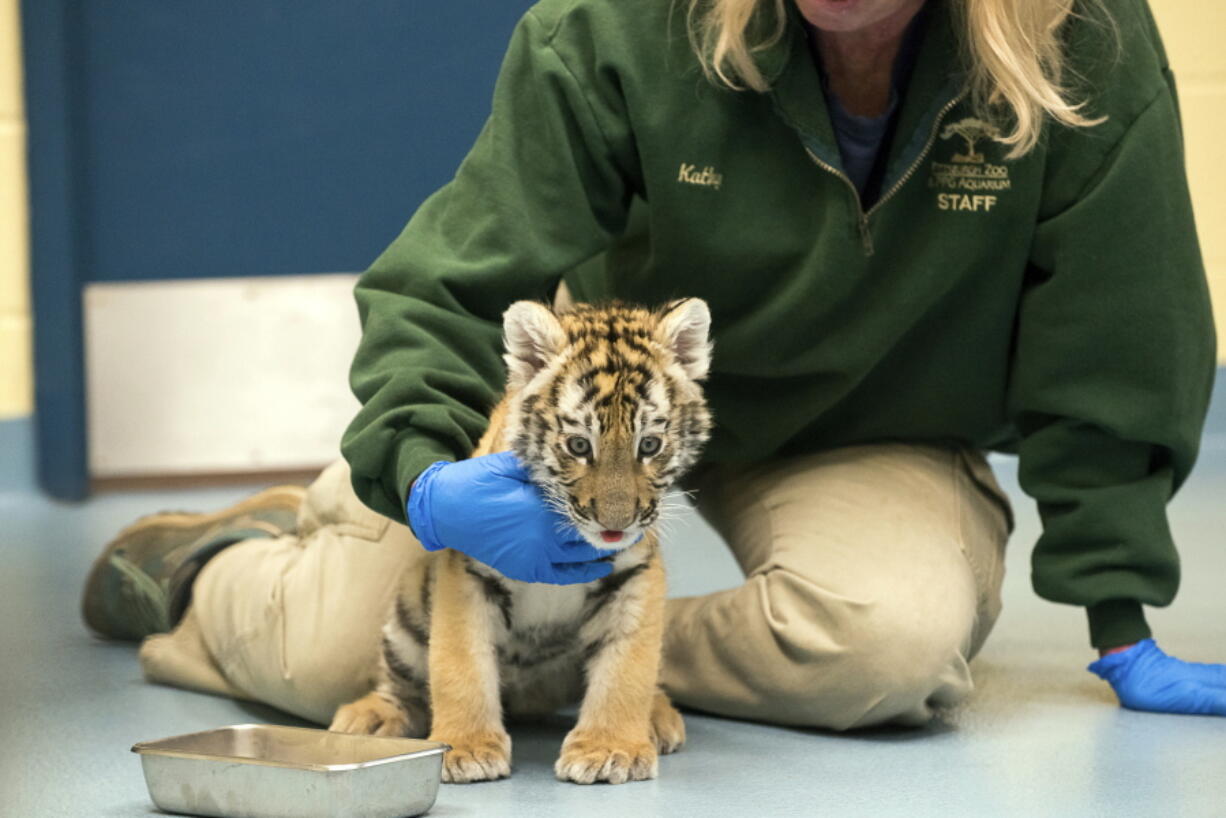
[{"x": 873, "y": 575}]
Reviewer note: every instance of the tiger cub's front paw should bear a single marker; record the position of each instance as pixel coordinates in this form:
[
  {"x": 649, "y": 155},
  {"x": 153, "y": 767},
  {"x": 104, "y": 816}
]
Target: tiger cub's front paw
[
  {"x": 477, "y": 757},
  {"x": 589, "y": 757},
  {"x": 667, "y": 726},
  {"x": 371, "y": 715}
]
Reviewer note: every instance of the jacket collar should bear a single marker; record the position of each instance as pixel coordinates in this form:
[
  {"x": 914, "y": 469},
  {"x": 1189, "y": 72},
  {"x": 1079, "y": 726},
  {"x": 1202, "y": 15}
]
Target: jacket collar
[{"x": 938, "y": 78}]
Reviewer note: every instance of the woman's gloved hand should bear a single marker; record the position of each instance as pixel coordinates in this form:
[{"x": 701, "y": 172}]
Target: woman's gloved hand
[
  {"x": 486, "y": 508},
  {"x": 1145, "y": 678}
]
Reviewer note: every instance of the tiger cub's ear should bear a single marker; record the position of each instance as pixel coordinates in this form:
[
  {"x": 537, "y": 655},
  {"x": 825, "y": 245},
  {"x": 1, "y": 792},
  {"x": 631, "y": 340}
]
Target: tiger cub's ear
[
  {"x": 684, "y": 328},
  {"x": 532, "y": 336}
]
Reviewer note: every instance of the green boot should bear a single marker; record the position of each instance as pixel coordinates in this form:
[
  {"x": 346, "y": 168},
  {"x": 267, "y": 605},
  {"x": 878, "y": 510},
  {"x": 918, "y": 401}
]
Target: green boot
[{"x": 141, "y": 583}]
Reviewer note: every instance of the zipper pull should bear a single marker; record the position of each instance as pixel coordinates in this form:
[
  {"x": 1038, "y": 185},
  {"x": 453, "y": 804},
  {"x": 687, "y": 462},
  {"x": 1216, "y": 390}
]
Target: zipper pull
[{"x": 866, "y": 236}]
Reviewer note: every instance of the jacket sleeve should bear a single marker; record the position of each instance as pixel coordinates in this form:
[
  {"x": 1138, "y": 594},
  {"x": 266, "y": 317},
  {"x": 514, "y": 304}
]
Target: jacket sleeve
[
  {"x": 1113, "y": 367},
  {"x": 545, "y": 187}
]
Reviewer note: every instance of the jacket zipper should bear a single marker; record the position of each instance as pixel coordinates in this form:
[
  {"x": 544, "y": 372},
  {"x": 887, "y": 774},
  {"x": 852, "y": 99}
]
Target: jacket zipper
[{"x": 866, "y": 235}]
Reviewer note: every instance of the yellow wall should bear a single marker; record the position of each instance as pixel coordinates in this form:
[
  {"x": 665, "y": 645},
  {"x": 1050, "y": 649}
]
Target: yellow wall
[
  {"x": 15, "y": 368},
  {"x": 1192, "y": 28}
]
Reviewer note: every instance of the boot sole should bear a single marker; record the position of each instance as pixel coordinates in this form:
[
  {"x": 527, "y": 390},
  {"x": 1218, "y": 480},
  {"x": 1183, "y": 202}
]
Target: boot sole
[{"x": 289, "y": 497}]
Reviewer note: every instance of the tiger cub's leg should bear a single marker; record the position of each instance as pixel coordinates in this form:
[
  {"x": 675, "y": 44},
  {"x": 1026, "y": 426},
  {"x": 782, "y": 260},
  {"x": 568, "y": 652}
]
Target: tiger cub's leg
[
  {"x": 377, "y": 714},
  {"x": 464, "y": 684},
  {"x": 398, "y": 706},
  {"x": 614, "y": 740}
]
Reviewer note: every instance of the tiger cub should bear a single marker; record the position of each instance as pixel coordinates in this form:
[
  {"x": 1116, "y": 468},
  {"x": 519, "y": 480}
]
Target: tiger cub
[{"x": 603, "y": 407}]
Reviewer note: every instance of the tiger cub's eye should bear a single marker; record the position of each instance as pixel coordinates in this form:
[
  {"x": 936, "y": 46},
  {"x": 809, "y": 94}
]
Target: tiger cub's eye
[
  {"x": 578, "y": 446},
  {"x": 649, "y": 445}
]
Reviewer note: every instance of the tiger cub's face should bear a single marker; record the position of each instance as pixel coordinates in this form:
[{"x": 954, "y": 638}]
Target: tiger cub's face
[{"x": 605, "y": 408}]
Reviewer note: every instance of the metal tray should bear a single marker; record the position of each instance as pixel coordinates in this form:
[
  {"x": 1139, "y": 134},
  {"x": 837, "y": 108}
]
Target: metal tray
[{"x": 266, "y": 771}]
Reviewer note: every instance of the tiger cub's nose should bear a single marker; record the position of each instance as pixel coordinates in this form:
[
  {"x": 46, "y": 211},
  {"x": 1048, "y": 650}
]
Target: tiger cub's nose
[{"x": 616, "y": 512}]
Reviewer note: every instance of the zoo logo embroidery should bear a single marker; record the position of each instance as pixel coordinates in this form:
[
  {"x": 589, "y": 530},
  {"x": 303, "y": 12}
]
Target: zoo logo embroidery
[{"x": 969, "y": 174}]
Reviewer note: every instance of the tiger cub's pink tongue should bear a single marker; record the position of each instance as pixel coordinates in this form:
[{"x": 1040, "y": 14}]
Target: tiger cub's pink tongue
[{"x": 611, "y": 536}]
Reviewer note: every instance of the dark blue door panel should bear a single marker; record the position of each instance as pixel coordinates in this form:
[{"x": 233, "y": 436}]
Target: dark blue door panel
[{"x": 175, "y": 139}]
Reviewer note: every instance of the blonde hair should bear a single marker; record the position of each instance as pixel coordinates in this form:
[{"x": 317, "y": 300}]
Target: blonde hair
[{"x": 1016, "y": 57}]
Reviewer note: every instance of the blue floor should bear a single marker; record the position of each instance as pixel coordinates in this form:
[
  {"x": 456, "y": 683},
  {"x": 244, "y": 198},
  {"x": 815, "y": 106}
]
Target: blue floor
[{"x": 1040, "y": 737}]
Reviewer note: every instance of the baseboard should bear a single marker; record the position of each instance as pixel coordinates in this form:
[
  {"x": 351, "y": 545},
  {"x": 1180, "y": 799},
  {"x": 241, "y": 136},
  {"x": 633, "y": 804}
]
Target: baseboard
[
  {"x": 1214, "y": 438},
  {"x": 17, "y": 454}
]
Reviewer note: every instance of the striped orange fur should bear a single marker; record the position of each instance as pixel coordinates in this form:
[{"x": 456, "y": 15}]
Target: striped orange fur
[{"x": 604, "y": 407}]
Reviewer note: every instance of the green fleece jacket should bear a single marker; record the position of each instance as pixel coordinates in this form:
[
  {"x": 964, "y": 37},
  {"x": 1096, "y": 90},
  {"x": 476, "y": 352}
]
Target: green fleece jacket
[{"x": 1054, "y": 305}]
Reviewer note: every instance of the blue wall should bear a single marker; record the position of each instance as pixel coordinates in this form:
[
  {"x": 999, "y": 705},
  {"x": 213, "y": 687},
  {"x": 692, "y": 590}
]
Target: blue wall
[
  {"x": 175, "y": 139},
  {"x": 239, "y": 138}
]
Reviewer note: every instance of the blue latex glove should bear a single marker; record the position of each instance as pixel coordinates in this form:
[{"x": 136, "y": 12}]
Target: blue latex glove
[
  {"x": 487, "y": 508},
  {"x": 1145, "y": 678}
]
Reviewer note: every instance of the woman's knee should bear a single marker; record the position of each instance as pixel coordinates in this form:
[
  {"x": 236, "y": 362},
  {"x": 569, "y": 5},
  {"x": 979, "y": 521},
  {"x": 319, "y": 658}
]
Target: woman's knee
[{"x": 838, "y": 662}]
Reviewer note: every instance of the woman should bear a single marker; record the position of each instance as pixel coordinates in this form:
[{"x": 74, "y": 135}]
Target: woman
[{"x": 925, "y": 229}]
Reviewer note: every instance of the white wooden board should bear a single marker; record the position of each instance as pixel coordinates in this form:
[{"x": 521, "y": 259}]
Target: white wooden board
[{"x": 218, "y": 375}]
